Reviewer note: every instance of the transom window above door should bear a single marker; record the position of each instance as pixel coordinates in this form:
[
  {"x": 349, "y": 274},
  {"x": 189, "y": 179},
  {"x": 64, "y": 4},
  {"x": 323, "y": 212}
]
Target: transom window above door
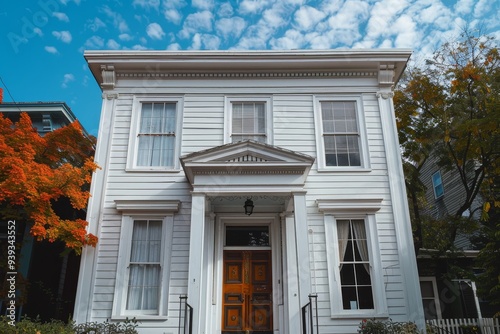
[
  {"x": 255, "y": 235},
  {"x": 248, "y": 119}
]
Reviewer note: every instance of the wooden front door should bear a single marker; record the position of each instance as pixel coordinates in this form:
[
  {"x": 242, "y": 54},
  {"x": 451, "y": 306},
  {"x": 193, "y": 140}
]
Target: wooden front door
[{"x": 247, "y": 292}]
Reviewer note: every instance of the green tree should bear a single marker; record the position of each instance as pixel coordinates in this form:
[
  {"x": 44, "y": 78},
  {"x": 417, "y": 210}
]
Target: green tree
[{"x": 448, "y": 109}]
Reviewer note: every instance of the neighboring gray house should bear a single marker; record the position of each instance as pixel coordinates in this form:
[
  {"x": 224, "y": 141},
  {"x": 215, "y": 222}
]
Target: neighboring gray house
[
  {"x": 445, "y": 297},
  {"x": 248, "y": 181}
]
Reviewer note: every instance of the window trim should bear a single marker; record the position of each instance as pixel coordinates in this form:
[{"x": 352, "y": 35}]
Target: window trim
[
  {"x": 363, "y": 141},
  {"x": 437, "y": 302},
  {"x": 119, "y": 311},
  {"x": 134, "y": 132},
  {"x": 228, "y": 115},
  {"x": 434, "y": 185},
  {"x": 359, "y": 208}
]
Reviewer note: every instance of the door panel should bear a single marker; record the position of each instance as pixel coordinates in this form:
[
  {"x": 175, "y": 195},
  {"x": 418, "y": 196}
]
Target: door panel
[{"x": 247, "y": 292}]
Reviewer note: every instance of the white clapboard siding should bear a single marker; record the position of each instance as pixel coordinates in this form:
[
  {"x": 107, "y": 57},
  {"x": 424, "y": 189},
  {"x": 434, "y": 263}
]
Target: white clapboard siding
[{"x": 202, "y": 128}]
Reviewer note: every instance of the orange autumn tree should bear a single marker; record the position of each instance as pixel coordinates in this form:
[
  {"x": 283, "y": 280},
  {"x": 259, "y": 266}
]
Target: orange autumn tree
[{"x": 36, "y": 172}]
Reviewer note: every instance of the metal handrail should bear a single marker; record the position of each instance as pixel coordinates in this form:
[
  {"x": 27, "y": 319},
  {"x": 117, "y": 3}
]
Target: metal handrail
[
  {"x": 187, "y": 325},
  {"x": 309, "y": 322}
]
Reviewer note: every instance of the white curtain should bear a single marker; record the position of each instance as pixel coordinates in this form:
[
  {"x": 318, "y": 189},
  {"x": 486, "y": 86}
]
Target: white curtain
[
  {"x": 343, "y": 235},
  {"x": 144, "y": 276},
  {"x": 157, "y": 134},
  {"x": 360, "y": 236}
]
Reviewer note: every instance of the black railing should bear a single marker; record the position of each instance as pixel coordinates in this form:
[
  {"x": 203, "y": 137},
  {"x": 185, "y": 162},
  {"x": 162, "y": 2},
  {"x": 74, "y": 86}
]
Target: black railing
[
  {"x": 310, "y": 316},
  {"x": 185, "y": 316}
]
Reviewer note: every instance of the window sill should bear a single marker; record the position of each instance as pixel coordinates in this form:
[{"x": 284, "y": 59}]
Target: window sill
[
  {"x": 152, "y": 170},
  {"x": 344, "y": 170},
  {"x": 139, "y": 317},
  {"x": 360, "y": 315}
]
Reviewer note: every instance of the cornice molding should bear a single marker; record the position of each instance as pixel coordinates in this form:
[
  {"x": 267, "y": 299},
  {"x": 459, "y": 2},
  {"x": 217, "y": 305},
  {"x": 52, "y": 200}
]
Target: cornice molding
[
  {"x": 246, "y": 74},
  {"x": 385, "y": 95},
  {"x": 150, "y": 206},
  {"x": 351, "y": 205}
]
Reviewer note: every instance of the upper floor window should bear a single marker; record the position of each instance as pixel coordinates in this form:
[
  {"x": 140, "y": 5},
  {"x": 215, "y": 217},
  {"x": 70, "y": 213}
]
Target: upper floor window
[
  {"x": 437, "y": 185},
  {"x": 155, "y": 134},
  {"x": 341, "y": 138},
  {"x": 248, "y": 118}
]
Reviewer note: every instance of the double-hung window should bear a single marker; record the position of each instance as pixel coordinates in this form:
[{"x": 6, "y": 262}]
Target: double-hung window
[
  {"x": 354, "y": 265},
  {"x": 141, "y": 288},
  {"x": 341, "y": 139},
  {"x": 353, "y": 258},
  {"x": 248, "y": 119},
  {"x": 155, "y": 134}
]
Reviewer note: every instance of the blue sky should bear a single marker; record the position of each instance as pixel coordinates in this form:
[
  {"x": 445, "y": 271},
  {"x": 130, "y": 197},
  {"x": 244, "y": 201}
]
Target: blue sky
[{"x": 43, "y": 40}]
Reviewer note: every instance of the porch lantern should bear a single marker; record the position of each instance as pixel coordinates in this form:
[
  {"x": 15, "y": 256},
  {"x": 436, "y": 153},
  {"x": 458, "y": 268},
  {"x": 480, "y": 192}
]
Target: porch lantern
[{"x": 248, "y": 207}]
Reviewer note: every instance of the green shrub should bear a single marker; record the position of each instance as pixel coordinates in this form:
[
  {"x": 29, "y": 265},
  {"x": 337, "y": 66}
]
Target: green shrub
[
  {"x": 372, "y": 326},
  {"x": 35, "y": 326}
]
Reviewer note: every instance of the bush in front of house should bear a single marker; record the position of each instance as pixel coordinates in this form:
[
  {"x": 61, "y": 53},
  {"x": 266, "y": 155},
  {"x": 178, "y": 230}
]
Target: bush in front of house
[
  {"x": 35, "y": 326},
  {"x": 373, "y": 326}
]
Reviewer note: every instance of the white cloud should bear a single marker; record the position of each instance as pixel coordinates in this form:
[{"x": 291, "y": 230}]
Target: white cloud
[
  {"x": 64, "y": 36},
  {"x": 253, "y": 6},
  {"x": 147, "y": 4},
  {"x": 203, "y": 4},
  {"x": 307, "y": 17},
  {"x": 205, "y": 41},
  {"x": 94, "y": 42},
  {"x": 95, "y": 24},
  {"x": 112, "y": 44},
  {"x": 230, "y": 27},
  {"x": 197, "y": 23},
  {"x": 68, "y": 77},
  {"x": 61, "y": 16},
  {"x": 118, "y": 21},
  {"x": 173, "y": 15},
  {"x": 293, "y": 39},
  {"x": 174, "y": 47},
  {"x": 225, "y": 10},
  {"x": 463, "y": 7},
  {"x": 139, "y": 47},
  {"x": 51, "y": 49},
  {"x": 125, "y": 37},
  {"x": 38, "y": 31},
  {"x": 406, "y": 32},
  {"x": 155, "y": 31}
]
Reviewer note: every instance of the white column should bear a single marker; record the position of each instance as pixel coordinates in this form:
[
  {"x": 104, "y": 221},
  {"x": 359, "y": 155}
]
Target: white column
[
  {"x": 196, "y": 256},
  {"x": 291, "y": 277},
  {"x": 402, "y": 224},
  {"x": 301, "y": 234}
]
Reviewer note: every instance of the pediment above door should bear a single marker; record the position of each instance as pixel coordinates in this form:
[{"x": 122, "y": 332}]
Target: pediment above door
[{"x": 246, "y": 163}]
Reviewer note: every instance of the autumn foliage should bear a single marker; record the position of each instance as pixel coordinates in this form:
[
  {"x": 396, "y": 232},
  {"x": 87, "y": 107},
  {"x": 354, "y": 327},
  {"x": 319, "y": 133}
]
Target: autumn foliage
[{"x": 36, "y": 172}]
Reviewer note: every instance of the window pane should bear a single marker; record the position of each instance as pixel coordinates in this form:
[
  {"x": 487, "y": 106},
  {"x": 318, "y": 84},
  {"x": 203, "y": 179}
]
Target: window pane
[
  {"x": 156, "y": 140},
  {"x": 144, "y": 266},
  {"x": 340, "y": 133},
  {"x": 427, "y": 289},
  {"x": 248, "y": 121},
  {"x": 355, "y": 278},
  {"x": 247, "y": 236}
]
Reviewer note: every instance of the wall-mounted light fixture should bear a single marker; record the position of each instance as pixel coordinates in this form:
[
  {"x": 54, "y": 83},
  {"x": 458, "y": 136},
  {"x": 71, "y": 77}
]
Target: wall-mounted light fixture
[{"x": 248, "y": 207}]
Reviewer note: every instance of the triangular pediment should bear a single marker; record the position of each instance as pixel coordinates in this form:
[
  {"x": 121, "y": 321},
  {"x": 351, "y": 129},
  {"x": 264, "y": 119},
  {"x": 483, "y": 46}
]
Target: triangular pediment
[{"x": 245, "y": 158}]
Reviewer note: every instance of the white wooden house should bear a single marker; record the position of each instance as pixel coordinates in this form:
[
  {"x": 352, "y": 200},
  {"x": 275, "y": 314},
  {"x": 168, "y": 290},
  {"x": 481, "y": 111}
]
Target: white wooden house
[{"x": 308, "y": 138}]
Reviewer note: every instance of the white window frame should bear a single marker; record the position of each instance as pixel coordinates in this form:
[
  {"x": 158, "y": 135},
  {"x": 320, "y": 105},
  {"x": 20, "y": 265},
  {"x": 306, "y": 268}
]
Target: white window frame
[
  {"x": 354, "y": 208},
  {"x": 135, "y": 127},
  {"x": 228, "y": 115},
  {"x": 119, "y": 311},
  {"x": 434, "y": 185},
  {"x": 437, "y": 302},
  {"x": 363, "y": 141}
]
